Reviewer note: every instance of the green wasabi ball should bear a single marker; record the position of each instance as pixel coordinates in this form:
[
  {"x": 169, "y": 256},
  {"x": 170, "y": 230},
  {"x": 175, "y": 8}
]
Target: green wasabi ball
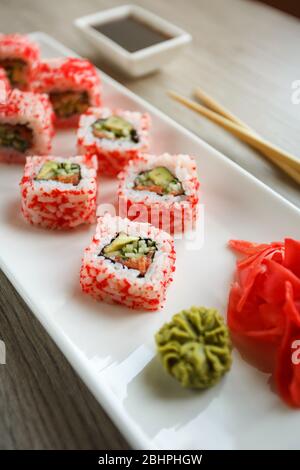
[{"x": 195, "y": 347}]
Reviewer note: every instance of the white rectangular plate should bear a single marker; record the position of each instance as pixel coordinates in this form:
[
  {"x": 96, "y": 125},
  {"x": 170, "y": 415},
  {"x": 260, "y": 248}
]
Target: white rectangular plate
[{"x": 111, "y": 347}]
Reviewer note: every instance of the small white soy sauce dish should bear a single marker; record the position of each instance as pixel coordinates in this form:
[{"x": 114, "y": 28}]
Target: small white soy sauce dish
[{"x": 133, "y": 39}]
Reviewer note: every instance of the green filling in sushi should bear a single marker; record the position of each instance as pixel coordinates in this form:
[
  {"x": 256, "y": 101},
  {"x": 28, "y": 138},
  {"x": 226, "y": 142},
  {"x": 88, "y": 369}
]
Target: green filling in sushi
[
  {"x": 18, "y": 137},
  {"x": 69, "y": 103},
  {"x": 115, "y": 127},
  {"x": 64, "y": 172},
  {"x": 16, "y": 71},
  {"x": 132, "y": 252},
  {"x": 160, "y": 181}
]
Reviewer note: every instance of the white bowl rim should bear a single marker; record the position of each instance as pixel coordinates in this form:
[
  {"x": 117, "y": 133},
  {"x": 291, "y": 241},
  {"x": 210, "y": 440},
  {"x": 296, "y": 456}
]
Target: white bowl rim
[{"x": 178, "y": 35}]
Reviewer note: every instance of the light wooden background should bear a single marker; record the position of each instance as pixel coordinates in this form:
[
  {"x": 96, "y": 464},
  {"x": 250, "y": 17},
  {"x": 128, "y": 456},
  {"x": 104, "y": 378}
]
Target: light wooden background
[{"x": 244, "y": 54}]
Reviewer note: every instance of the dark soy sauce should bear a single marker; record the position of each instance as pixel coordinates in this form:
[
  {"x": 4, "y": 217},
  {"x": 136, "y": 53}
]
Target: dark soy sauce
[{"x": 131, "y": 33}]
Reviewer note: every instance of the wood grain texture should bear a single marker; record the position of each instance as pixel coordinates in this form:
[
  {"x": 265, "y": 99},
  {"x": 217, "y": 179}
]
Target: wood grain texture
[
  {"x": 246, "y": 56},
  {"x": 43, "y": 403}
]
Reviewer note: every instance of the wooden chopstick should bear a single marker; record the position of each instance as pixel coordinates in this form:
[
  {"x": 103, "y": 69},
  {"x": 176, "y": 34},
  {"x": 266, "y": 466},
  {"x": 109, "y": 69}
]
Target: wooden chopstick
[
  {"x": 245, "y": 134},
  {"x": 284, "y": 160},
  {"x": 217, "y": 107}
]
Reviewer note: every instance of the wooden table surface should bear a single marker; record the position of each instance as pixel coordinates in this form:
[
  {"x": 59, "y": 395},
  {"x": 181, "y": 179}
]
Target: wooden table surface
[{"x": 244, "y": 54}]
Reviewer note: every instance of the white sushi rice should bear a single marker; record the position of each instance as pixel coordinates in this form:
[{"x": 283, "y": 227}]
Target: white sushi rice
[
  {"x": 141, "y": 292},
  {"x": 181, "y": 166},
  {"x": 46, "y": 186},
  {"x": 136, "y": 119},
  {"x": 16, "y": 46},
  {"x": 172, "y": 213},
  {"x": 53, "y": 204},
  {"x": 35, "y": 112},
  {"x": 59, "y": 82}
]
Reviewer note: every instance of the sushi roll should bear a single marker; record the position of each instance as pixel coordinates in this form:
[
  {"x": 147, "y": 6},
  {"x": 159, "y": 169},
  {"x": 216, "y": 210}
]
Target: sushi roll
[
  {"x": 5, "y": 86},
  {"x": 115, "y": 136},
  {"x": 18, "y": 57},
  {"x": 59, "y": 193},
  {"x": 162, "y": 190},
  {"x": 72, "y": 84},
  {"x": 26, "y": 126},
  {"x": 128, "y": 263}
]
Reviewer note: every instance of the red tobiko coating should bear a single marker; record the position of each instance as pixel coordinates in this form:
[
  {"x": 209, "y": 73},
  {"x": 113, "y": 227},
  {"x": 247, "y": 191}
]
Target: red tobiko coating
[
  {"x": 68, "y": 74},
  {"x": 19, "y": 45},
  {"x": 64, "y": 73},
  {"x": 4, "y": 87},
  {"x": 33, "y": 110}
]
